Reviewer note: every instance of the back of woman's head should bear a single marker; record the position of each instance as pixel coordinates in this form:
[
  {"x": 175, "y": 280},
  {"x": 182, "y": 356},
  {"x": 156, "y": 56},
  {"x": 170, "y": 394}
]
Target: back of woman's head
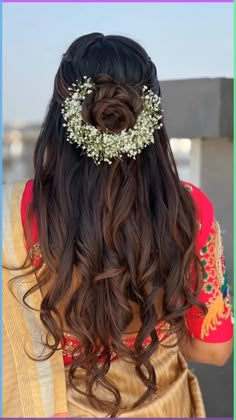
[{"x": 110, "y": 233}]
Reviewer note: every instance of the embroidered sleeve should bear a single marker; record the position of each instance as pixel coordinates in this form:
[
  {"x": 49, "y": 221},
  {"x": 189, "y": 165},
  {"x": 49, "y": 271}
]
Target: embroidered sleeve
[{"x": 217, "y": 325}]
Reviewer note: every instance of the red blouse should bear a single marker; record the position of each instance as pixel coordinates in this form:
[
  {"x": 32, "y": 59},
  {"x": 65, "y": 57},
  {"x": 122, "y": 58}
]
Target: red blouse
[{"x": 214, "y": 327}]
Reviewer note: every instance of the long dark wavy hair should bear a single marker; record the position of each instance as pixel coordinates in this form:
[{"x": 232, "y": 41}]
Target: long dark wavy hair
[{"x": 110, "y": 234}]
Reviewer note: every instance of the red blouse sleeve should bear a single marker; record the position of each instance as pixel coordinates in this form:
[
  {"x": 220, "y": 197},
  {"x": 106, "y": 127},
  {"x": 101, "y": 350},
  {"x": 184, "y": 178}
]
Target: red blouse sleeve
[{"x": 217, "y": 325}]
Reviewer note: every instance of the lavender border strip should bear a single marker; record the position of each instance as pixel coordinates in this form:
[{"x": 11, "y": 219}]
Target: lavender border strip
[{"x": 118, "y": 1}]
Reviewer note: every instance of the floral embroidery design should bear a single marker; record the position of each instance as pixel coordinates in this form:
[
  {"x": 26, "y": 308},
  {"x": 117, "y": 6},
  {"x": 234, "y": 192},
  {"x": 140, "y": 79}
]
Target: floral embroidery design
[
  {"x": 215, "y": 282},
  {"x": 35, "y": 253},
  {"x": 36, "y": 258}
]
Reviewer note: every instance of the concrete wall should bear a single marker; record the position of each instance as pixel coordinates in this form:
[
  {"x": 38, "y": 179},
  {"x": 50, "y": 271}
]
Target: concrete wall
[
  {"x": 198, "y": 108},
  {"x": 217, "y": 181}
]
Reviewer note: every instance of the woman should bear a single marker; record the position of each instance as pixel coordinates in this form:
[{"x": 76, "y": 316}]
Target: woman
[{"x": 122, "y": 273}]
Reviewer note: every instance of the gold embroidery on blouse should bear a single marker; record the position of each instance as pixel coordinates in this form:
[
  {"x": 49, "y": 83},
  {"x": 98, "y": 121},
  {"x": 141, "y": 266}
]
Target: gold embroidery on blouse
[
  {"x": 188, "y": 187},
  {"x": 199, "y": 225}
]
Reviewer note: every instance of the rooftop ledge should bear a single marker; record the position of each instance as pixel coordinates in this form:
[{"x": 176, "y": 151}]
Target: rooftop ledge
[{"x": 198, "y": 108}]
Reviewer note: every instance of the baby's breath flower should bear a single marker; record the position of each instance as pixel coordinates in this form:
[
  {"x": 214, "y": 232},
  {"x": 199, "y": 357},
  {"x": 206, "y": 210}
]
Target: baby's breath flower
[{"x": 102, "y": 146}]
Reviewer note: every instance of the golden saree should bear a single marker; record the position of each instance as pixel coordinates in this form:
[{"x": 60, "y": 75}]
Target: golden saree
[{"x": 41, "y": 388}]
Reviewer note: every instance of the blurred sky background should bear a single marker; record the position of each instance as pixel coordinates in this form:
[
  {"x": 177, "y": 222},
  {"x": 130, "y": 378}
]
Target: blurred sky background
[{"x": 187, "y": 40}]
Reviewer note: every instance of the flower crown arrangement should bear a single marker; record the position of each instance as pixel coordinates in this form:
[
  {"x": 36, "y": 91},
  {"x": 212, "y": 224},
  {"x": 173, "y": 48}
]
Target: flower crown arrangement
[{"x": 105, "y": 146}]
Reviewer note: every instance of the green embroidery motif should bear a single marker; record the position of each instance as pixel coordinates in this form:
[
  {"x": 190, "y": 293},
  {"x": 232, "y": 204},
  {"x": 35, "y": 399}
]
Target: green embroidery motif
[
  {"x": 208, "y": 287},
  {"x": 204, "y": 263},
  {"x": 203, "y": 250},
  {"x": 205, "y": 275}
]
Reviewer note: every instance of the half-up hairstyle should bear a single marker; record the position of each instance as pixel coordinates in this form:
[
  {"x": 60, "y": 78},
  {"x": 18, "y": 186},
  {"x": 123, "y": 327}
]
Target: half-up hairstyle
[{"x": 111, "y": 234}]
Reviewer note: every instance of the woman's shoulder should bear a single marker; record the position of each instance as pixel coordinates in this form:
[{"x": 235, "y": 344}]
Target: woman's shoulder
[
  {"x": 202, "y": 201},
  {"x": 204, "y": 212}
]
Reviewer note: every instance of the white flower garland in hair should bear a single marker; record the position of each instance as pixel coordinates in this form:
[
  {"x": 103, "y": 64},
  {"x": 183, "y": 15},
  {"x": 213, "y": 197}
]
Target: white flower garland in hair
[{"x": 102, "y": 146}]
